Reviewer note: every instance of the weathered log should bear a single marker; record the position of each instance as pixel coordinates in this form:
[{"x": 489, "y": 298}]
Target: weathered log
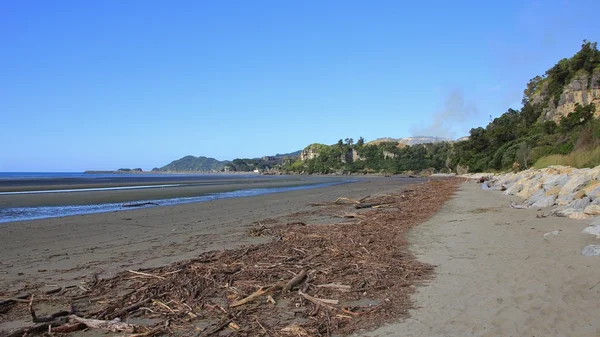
[
  {"x": 294, "y": 281},
  {"x": 114, "y": 325},
  {"x": 68, "y": 328}
]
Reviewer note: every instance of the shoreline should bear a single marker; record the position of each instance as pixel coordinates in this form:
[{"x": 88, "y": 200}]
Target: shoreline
[{"x": 79, "y": 196}]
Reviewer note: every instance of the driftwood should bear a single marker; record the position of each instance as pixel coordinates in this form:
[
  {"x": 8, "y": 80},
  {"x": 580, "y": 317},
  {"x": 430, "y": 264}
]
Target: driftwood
[
  {"x": 341, "y": 287},
  {"x": 68, "y": 328},
  {"x": 129, "y": 308},
  {"x": 20, "y": 298},
  {"x": 262, "y": 291},
  {"x": 320, "y": 301},
  {"x": 139, "y": 204},
  {"x": 293, "y": 282},
  {"x": 517, "y": 206},
  {"x": 114, "y": 325},
  {"x": 367, "y": 205},
  {"x": 40, "y": 328}
]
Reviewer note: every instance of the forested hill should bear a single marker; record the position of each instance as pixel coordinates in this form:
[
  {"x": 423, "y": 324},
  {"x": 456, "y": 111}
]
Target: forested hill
[{"x": 557, "y": 124}]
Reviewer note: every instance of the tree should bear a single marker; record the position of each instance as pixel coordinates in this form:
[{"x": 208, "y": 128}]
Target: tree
[
  {"x": 349, "y": 141},
  {"x": 361, "y": 141}
]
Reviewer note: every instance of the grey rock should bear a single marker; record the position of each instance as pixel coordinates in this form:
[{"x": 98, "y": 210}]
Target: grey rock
[
  {"x": 591, "y": 250},
  {"x": 580, "y": 204},
  {"x": 558, "y": 180},
  {"x": 545, "y": 201},
  {"x": 575, "y": 183}
]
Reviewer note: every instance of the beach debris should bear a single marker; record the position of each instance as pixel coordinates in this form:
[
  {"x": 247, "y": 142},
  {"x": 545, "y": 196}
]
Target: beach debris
[
  {"x": 517, "y": 206},
  {"x": 258, "y": 231},
  {"x": 551, "y": 233},
  {"x": 139, "y": 204},
  {"x": 591, "y": 250},
  {"x": 302, "y": 283}
]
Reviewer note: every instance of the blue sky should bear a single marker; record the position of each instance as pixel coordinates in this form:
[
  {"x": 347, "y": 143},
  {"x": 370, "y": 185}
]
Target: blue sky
[{"x": 109, "y": 84}]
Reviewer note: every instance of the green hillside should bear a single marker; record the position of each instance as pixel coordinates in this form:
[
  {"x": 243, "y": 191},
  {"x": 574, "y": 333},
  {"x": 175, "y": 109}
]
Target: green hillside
[{"x": 195, "y": 164}]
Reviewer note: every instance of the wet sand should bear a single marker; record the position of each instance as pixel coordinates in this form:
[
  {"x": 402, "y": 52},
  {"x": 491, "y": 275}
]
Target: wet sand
[
  {"x": 59, "y": 250},
  {"x": 497, "y": 275}
]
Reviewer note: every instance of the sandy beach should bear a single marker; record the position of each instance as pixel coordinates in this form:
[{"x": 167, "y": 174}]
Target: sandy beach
[{"x": 498, "y": 275}]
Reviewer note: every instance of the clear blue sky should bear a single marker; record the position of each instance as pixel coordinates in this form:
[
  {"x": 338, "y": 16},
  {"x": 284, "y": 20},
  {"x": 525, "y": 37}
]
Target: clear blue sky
[{"x": 109, "y": 84}]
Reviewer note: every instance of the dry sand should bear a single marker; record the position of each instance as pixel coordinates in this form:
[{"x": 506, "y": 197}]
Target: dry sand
[
  {"x": 497, "y": 275},
  {"x": 55, "y": 251}
]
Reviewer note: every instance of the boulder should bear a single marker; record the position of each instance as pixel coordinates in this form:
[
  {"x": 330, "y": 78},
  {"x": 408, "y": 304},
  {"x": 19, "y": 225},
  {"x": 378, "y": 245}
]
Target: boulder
[
  {"x": 580, "y": 204},
  {"x": 592, "y": 209},
  {"x": 536, "y": 197},
  {"x": 591, "y": 250},
  {"x": 545, "y": 201},
  {"x": 571, "y": 213},
  {"x": 529, "y": 189},
  {"x": 565, "y": 199},
  {"x": 575, "y": 183},
  {"x": 555, "y": 181}
]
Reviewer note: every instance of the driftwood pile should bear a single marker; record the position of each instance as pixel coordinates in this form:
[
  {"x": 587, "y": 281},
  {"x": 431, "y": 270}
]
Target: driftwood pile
[{"x": 310, "y": 280}]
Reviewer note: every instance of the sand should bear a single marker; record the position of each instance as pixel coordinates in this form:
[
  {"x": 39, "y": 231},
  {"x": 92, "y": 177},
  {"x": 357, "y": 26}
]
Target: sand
[
  {"x": 60, "y": 250},
  {"x": 497, "y": 275}
]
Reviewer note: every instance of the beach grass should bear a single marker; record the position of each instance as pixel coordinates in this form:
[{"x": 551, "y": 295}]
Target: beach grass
[{"x": 578, "y": 159}]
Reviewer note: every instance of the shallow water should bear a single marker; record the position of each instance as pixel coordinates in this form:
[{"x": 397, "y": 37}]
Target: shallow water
[{"x": 32, "y": 213}]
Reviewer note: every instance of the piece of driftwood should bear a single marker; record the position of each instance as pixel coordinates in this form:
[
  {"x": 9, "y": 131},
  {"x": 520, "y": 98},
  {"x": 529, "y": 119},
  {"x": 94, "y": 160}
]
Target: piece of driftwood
[
  {"x": 341, "y": 287},
  {"x": 139, "y": 204},
  {"x": 20, "y": 298},
  {"x": 262, "y": 291},
  {"x": 114, "y": 325},
  {"x": 517, "y": 206},
  {"x": 219, "y": 327},
  {"x": 66, "y": 328},
  {"x": 294, "y": 281},
  {"x": 146, "y": 274},
  {"x": 40, "y": 328},
  {"x": 367, "y": 205},
  {"x": 320, "y": 301},
  {"x": 129, "y": 308}
]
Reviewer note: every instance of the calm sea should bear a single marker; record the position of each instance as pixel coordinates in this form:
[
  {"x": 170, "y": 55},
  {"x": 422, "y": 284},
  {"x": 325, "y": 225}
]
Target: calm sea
[{"x": 64, "y": 179}]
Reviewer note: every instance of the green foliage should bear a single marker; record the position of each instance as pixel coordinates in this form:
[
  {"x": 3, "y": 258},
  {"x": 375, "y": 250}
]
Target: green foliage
[{"x": 517, "y": 136}]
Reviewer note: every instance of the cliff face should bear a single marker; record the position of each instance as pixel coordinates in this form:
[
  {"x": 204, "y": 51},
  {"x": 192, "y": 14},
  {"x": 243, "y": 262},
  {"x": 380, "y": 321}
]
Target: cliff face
[
  {"x": 311, "y": 151},
  {"x": 583, "y": 89}
]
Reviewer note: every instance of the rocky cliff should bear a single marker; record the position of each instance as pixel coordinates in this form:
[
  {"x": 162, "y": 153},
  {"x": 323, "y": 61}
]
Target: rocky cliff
[{"x": 583, "y": 89}]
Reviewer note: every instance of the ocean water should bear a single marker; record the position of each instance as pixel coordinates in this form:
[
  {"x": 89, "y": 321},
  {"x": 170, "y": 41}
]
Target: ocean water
[{"x": 31, "y": 213}]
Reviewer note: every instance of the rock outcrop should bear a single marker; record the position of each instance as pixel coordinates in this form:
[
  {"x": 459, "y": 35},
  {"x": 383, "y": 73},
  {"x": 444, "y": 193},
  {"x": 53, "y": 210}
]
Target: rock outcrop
[
  {"x": 583, "y": 89},
  {"x": 311, "y": 151}
]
